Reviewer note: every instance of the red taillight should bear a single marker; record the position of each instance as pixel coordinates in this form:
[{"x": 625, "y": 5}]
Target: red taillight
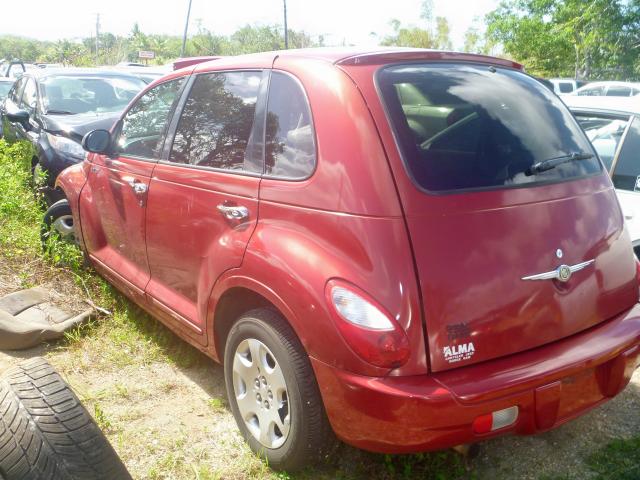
[
  {"x": 366, "y": 327},
  {"x": 495, "y": 420}
]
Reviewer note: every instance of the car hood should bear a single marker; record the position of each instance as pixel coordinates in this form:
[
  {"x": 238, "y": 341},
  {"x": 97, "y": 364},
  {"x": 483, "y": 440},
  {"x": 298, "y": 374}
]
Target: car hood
[{"x": 78, "y": 125}]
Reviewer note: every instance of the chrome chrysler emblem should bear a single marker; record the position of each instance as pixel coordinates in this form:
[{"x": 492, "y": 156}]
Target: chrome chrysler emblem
[{"x": 562, "y": 273}]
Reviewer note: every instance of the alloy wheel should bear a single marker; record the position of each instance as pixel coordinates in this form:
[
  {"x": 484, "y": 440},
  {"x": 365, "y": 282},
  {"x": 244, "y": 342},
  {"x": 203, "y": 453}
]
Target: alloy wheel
[{"x": 261, "y": 393}]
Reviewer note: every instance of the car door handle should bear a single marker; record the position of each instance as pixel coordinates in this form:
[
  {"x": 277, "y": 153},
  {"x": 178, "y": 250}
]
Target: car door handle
[
  {"x": 138, "y": 187},
  {"x": 233, "y": 212}
]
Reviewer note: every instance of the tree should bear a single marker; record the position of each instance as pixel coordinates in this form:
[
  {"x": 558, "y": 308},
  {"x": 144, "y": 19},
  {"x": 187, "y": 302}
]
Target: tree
[
  {"x": 421, "y": 36},
  {"x": 409, "y": 37},
  {"x": 581, "y": 38},
  {"x": 443, "y": 41},
  {"x": 475, "y": 41}
]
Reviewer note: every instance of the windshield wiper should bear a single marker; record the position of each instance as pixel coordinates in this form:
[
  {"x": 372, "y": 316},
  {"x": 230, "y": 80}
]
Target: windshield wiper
[
  {"x": 550, "y": 163},
  {"x": 59, "y": 112}
]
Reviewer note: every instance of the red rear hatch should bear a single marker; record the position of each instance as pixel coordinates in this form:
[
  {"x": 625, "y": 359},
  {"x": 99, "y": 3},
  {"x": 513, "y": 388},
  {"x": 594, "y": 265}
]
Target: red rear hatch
[{"x": 485, "y": 207}]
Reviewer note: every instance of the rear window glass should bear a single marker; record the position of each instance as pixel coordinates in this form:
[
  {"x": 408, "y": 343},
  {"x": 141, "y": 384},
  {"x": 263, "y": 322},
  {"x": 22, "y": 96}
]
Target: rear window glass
[
  {"x": 566, "y": 87},
  {"x": 465, "y": 126}
]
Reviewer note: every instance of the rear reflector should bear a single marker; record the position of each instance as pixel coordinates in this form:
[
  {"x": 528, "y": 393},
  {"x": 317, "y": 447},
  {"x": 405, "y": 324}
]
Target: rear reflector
[{"x": 496, "y": 420}]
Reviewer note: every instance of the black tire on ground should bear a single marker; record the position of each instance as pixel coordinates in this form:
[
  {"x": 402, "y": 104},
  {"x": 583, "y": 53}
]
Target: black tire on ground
[
  {"x": 310, "y": 437},
  {"x": 58, "y": 214},
  {"x": 46, "y": 433}
]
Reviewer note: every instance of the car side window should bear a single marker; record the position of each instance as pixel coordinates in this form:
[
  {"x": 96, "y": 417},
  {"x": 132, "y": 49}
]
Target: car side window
[
  {"x": 14, "y": 95},
  {"x": 29, "y": 96},
  {"x": 604, "y": 133},
  {"x": 618, "y": 92},
  {"x": 591, "y": 92},
  {"x": 290, "y": 140},
  {"x": 216, "y": 123},
  {"x": 626, "y": 175},
  {"x": 144, "y": 125}
]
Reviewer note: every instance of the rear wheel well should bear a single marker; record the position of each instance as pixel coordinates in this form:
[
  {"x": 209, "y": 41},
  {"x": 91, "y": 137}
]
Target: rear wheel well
[{"x": 230, "y": 307}]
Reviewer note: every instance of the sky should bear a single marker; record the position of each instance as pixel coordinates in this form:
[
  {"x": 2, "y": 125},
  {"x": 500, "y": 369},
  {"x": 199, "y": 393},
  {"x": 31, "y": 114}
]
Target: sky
[{"x": 349, "y": 21}]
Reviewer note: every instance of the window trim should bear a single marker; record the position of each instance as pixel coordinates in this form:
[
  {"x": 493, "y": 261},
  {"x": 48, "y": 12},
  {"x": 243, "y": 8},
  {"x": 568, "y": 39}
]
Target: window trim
[
  {"x": 117, "y": 130},
  {"x": 177, "y": 114},
  {"x": 313, "y": 131},
  {"x": 440, "y": 193}
]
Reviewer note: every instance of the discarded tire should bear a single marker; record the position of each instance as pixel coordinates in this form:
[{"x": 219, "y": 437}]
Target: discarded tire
[{"x": 46, "y": 433}]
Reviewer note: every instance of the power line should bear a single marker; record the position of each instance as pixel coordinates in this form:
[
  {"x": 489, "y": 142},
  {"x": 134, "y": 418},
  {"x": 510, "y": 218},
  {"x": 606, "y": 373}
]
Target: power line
[
  {"x": 286, "y": 33},
  {"x": 97, "y": 37},
  {"x": 186, "y": 27}
]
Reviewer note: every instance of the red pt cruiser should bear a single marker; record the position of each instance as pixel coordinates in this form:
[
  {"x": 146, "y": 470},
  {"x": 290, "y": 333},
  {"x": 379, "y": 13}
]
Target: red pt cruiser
[{"x": 410, "y": 249}]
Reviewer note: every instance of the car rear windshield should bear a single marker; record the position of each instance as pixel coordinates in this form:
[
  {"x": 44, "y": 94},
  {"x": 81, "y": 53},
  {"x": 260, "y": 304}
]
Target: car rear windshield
[
  {"x": 83, "y": 94},
  {"x": 468, "y": 127}
]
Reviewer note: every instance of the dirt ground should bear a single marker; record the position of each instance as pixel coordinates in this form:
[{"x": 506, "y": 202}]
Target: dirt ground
[{"x": 168, "y": 419}]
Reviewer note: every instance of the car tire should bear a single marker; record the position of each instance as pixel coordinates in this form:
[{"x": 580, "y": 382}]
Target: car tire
[
  {"x": 58, "y": 218},
  {"x": 306, "y": 436},
  {"x": 46, "y": 433}
]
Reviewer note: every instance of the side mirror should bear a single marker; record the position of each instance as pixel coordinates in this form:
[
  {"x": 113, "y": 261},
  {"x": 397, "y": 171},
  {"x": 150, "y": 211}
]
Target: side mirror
[
  {"x": 19, "y": 116},
  {"x": 97, "y": 141}
]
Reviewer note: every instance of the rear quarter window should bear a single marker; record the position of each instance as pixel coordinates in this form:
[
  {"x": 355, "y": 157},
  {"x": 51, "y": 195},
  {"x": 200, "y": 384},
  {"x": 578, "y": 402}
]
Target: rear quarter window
[
  {"x": 473, "y": 127},
  {"x": 290, "y": 141}
]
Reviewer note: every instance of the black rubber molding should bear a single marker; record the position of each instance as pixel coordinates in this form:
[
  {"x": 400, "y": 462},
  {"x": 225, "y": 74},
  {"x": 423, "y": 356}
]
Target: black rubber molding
[{"x": 46, "y": 433}]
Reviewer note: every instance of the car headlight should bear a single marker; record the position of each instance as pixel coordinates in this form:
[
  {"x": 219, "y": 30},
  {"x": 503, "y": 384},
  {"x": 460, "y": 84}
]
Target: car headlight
[{"x": 66, "y": 145}]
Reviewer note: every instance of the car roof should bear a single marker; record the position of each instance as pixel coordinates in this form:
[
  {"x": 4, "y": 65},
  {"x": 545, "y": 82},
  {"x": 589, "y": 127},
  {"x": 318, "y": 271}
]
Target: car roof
[
  {"x": 630, "y": 105},
  {"x": 611, "y": 83},
  {"x": 361, "y": 56}
]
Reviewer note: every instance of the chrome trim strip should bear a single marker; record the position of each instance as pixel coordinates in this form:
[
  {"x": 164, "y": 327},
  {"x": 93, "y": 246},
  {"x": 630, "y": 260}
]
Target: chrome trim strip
[{"x": 556, "y": 274}]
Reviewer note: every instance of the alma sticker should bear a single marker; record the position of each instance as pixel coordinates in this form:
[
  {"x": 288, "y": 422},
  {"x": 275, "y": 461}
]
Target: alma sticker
[{"x": 457, "y": 353}]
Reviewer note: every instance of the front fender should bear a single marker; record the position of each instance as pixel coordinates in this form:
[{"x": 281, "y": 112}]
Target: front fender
[{"x": 71, "y": 181}]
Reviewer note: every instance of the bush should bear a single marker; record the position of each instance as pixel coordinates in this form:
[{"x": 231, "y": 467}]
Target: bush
[{"x": 20, "y": 212}]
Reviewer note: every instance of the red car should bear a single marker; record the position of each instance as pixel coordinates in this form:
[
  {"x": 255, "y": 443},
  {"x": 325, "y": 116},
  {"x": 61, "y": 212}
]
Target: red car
[{"x": 411, "y": 249}]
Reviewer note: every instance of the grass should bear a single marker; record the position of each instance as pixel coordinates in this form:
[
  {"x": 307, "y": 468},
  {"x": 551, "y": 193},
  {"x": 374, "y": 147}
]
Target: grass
[{"x": 619, "y": 460}]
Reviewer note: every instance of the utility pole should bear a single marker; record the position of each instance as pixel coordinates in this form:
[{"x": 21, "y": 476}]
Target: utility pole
[
  {"x": 186, "y": 27},
  {"x": 286, "y": 33},
  {"x": 97, "y": 37}
]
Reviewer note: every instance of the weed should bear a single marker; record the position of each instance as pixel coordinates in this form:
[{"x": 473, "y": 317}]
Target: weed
[
  {"x": 101, "y": 419},
  {"x": 619, "y": 460},
  {"x": 216, "y": 404}
]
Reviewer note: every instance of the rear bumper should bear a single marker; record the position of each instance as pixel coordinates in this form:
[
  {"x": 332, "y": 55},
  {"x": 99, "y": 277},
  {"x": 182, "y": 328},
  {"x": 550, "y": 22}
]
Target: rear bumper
[{"x": 550, "y": 385}]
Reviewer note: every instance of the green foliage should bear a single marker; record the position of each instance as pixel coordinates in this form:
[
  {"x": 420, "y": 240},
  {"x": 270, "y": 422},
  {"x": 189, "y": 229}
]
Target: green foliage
[
  {"x": 425, "y": 36},
  {"x": 114, "y": 49},
  {"x": 588, "y": 39},
  {"x": 18, "y": 207},
  {"x": 619, "y": 460}
]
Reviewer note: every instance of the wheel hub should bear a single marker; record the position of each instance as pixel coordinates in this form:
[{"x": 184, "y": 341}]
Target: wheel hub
[{"x": 261, "y": 393}]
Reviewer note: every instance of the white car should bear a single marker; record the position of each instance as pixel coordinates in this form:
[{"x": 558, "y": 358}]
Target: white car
[
  {"x": 609, "y": 89},
  {"x": 613, "y": 126},
  {"x": 565, "y": 86}
]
